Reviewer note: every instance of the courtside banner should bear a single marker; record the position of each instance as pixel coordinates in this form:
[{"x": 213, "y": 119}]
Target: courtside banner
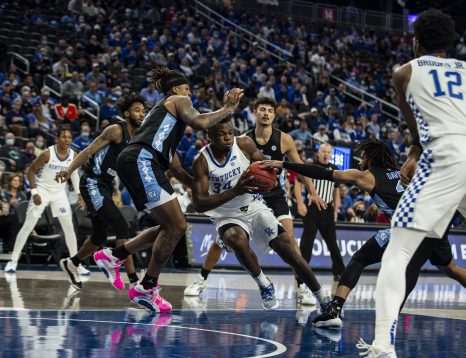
[{"x": 350, "y": 238}]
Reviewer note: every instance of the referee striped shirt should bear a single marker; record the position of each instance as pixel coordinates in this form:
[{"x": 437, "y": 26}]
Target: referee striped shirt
[{"x": 325, "y": 188}]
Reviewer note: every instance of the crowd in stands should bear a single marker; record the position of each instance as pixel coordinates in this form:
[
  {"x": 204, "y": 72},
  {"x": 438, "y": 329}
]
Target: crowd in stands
[{"x": 111, "y": 46}]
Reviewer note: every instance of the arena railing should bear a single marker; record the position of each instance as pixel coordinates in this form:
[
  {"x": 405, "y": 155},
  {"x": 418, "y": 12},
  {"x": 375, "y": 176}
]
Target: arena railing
[
  {"x": 315, "y": 12},
  {"x": 253, "y": 39},
  {"x": 21, "y": 63},
  {"x": 94, "y": 114},
  {"x": 54, "y": 85},
  {"x": 387, "y": 108}
]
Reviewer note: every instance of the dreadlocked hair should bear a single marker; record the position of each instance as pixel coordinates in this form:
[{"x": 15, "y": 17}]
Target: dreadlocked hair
[
  {"x": 125, "y": 102},
  {"x": 377, "y": 153},
  {"x": 165, "y": 79}
]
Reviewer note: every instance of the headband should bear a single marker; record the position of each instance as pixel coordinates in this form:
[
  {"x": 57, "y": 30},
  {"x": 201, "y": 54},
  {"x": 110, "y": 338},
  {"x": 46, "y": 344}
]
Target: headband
[{"x": 177, "y": 81}]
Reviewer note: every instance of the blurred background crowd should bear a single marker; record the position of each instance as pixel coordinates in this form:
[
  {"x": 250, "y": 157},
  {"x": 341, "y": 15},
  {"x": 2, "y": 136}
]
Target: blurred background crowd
[{"x": 84, "y": 54}]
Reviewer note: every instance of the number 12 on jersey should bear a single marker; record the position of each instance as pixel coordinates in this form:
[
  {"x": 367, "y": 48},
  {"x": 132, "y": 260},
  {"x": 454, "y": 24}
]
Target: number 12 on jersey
[
  {"x": 217, "y": 187},
  {"x": 455, "y": 81}
]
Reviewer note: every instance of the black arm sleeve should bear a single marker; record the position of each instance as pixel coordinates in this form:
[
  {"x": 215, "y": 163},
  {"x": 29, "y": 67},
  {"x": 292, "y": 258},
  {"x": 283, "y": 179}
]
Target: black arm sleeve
[{"x": 310, "y": 170}]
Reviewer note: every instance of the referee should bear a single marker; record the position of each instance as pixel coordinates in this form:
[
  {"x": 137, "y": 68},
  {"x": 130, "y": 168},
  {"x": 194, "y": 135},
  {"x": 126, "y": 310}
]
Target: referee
[{"x": 322, "y": 220}]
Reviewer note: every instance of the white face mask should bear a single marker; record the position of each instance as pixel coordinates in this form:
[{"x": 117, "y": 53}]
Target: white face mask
[
  {"x": 10, "y": 141},
  {"x": 39, "y": 144},
  {"x": 85, "y": 134}
]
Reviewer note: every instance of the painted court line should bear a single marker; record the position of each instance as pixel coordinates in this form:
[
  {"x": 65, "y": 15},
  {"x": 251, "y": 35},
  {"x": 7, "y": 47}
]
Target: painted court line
[{"x": 280, "y": 347}]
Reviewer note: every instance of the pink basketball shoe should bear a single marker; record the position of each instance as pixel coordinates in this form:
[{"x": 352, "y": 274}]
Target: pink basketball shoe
[
  {"x": 150, "y": 299},
  {"x": 110, "y": 266}
]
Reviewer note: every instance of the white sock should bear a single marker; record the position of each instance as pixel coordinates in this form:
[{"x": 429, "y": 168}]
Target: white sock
[
  {"x": 391, "y": 284},
  {"x": 262, "y": 280},
  {"x": 322, "y": 297}
]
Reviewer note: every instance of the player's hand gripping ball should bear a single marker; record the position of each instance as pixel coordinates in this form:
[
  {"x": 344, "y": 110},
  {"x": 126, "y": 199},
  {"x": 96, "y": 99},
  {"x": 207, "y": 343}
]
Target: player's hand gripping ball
[{"x": 264, "y": 179}]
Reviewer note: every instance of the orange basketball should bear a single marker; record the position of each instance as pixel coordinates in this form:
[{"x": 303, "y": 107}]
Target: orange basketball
[{"x": 263, "y": 178}]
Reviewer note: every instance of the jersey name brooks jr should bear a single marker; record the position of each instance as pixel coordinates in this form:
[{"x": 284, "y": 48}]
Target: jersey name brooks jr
[
  {"x": 46, "y": 176},
  {"x": 225, "y": 176}
]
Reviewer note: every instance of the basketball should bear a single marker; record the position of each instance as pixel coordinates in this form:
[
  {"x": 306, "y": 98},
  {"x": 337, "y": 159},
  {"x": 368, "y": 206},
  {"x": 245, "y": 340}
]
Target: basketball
[{"x": 263, "y": 178}]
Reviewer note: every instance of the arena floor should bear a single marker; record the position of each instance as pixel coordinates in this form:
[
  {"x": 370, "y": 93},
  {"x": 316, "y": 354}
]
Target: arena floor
[{"x": 42, "y": 316}]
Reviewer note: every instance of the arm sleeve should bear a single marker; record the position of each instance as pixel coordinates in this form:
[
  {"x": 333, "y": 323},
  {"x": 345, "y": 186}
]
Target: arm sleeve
[{"x": 310, "y": 170}]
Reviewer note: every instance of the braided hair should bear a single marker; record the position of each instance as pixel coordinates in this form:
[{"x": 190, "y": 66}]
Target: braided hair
[
  {"x": 377, "y": 153},
  {"x": 165, "y": 79}
]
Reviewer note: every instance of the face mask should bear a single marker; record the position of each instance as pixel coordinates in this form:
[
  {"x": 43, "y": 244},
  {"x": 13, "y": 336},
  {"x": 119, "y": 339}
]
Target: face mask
[
  {"x": 69, "y": 53},
  {"x": 359, "y": 212},
  {"x": 39, "y": 144},
  {"x": 10, "y": 141},
  {"x": 85, "y": 134},
  {"x": 117, "y": 93},
  {"x": 198, "y": 146},
  {"x": 30, "y": 151},
  {"x": 178, "y": 187},
  {"x": 188, "y": 135},
  {"x": 367, "y": 197}
]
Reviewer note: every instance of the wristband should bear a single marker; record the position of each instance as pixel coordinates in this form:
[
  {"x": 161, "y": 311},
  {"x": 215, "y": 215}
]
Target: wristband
[{"x": 34, "y": 191}]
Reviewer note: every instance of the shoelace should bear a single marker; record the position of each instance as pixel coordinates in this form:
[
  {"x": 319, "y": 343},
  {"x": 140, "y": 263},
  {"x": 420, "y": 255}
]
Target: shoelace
[
  {"x": 267, "y": 293},
  {"x": 363, "y": 345}
]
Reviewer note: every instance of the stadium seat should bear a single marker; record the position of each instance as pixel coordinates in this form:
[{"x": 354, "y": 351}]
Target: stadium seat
[{"x": 45, "y": 239}]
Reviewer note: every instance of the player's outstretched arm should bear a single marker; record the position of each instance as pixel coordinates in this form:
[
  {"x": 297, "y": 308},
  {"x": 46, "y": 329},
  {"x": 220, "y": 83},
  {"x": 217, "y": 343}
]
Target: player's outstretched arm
[
  {"x": 292, "y": 154},
  {"x": 363, "y": 179},
  {"x": 111, "y": 134},
  {"x": 179, "y": 173},
  {"x": 202, "y": 200},
  {"x": 188, "y": 114}
]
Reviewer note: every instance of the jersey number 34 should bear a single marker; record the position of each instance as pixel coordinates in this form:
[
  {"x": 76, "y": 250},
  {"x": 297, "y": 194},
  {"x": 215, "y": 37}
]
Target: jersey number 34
[{"x": 218, "y": 187}]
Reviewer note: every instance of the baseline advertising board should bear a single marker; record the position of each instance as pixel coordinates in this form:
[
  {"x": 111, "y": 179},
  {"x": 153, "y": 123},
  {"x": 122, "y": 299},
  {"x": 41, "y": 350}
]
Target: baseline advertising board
[{"x": 349, "y": 237}]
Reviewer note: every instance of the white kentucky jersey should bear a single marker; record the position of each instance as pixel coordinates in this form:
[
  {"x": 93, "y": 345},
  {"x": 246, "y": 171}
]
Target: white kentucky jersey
[
  {"x": 436, "y": 94},
  {"x": 225, "y": 176},
  {"x": 46, "y": 176}
]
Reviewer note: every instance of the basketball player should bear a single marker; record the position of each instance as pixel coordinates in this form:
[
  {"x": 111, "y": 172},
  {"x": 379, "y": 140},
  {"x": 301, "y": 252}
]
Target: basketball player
[
  {"x": 99, "y": 160},
  {"x": 46, "y": 191},
  {"x": 380, "y": 176},
  {"x": 274, "y": 144},
  {"x": 221, "y": 190},
  {"x": 431, "y": 97},
  {"x": 142, "y": 166}
]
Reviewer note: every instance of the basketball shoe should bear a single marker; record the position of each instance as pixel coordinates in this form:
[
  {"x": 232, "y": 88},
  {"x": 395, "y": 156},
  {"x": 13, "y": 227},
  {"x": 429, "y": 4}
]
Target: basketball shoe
[
  {"x": 150, "y": 299},
  {"x": 373, "y": 352},
  {"x": 305, "y": 296},
  {"x": 110, "y": 266},
  {"x": 196, "y": 287},
  {"x": 269, "y": 301},
  {"x": 72, "y": 271}
]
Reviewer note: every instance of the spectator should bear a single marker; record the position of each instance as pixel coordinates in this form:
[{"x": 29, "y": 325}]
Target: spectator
[
  {"x": 16, "y": 120},
  {"x": 359, "y": 133},
  {"x": 267, "y": 91},
  {"x": 302, "y": 133},
  {"x": 65, "y": 111},
  {"x": 39, "y": 145},
  {"x": 11, "y": 152},
  {"x": 95, "y": 75},
  {"x": 312, "y": 118},
  {"x": 151, "y": 94},
  {"x": 357, "y": 212},
  {"x": 373, "y": 128},
  {"x": 332, "y": 100},
  {"x": 82, "y": 141},
  {"x": 108, "y": 110},
  {"x": 188, "y": 140},
  {"x": 73, "y": 88},
  {"x": 345, "y": 203},
  {"x": 394, "y": 144},
  {"x": 46, "y": 104},
  {"x": 9, "y": 200},
  {"x": 191, "y": 154},
  {"x": 28, "y": 156},
  {"x": 93, "y": 94},
  {"x": 341, "y": 134},
  {"x": 321, "y": 135}
]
